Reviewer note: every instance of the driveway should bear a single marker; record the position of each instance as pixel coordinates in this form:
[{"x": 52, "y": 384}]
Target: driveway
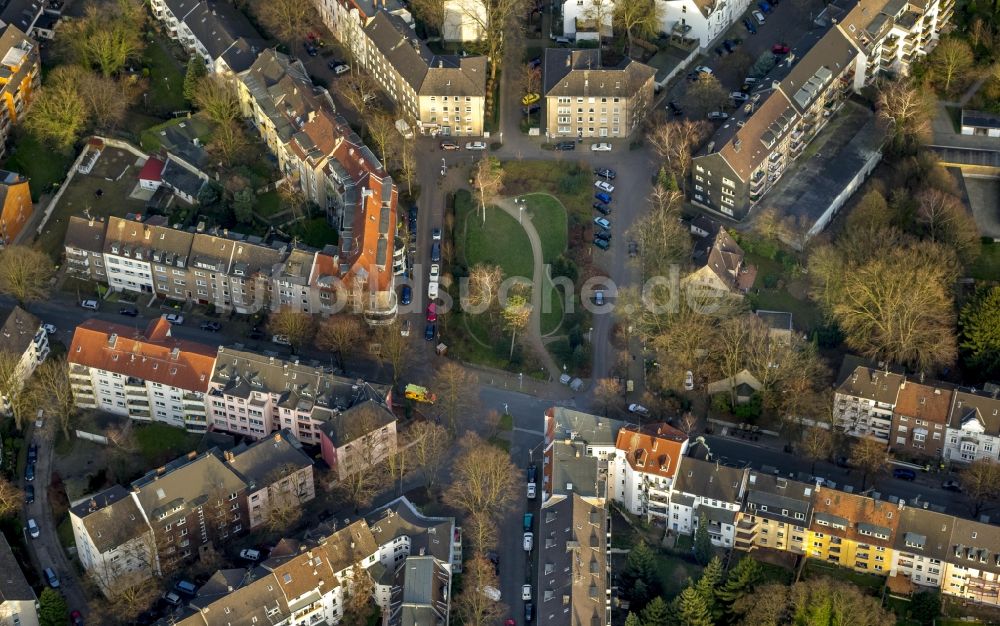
[{"x": 46, "y": 550}]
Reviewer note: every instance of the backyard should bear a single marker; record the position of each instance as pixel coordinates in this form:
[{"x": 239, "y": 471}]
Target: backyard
[
  {"x": 780, "y": 284},
  {"x": 166, "y": 80},
  {"x": 43, "y": 166}
]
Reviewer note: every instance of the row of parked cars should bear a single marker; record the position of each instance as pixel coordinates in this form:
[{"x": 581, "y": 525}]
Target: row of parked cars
[{"x": 602, "y": 230}]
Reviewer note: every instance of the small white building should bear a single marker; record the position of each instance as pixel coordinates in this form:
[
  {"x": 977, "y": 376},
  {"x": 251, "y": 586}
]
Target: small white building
[
  {"x": 973, "y": 427},
  {"x": 711, "y": 490},
  {"x": 700, "y": 20},
  {"x": 464, "y": 20},
  {"x": 580, "y": 18}
]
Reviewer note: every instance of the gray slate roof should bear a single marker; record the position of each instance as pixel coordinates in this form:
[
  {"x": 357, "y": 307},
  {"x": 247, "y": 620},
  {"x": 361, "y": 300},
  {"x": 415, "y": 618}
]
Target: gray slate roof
[
  {"x": 13, "y": 585},
  {"x": 711, "y": 480},
  {"x": 187, "y": 482},
  {"x": 18, "y": 330},
  {"x": 258, "y": 463},
  {"x": 111, "y": 518},
  {"x": 220, "y": 27},
  {"x": 432, "y": 535},
  {"x": 580, "y": 73},
  {"x": 85, "y": 234}
]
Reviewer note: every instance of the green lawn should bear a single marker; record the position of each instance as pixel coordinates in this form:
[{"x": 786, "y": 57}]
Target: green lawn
[
  {"x": 149, "y": 139},
  {"x": 549, "y": 219},
  {"x": 565, "y": 179},
  {"x": 315, "y": 232},
  {"x": 43, "y": 166},
  {"x": 65, "y": 532},
  {"x": 986, "y": 267},
  {"x": 500, "y": 241},
  {"x": 159, "y": 443},
  {"x": 506, "y": 422},
  {"x": 166, "y": 80},
  {"x": 268, "y": 204}
]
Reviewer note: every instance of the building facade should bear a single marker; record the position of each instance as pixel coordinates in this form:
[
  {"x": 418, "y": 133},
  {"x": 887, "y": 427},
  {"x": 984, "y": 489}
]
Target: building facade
[
  {"x": 15, "y": 205},
  {"x": 644, "y": 466},
  {"x": 863, "y": 402},
  {"x": 23, "y": 338},
  {"x": 20, "y": 79},
  {"x": 585, "y": 99},
  {"x": 919, "y": 420},
  {"x": 217, "y": 32},
  {"x": 973, "y": 430}
]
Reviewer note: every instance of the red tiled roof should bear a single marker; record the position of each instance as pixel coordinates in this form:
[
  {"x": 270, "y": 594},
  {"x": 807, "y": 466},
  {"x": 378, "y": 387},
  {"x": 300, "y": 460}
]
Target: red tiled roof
[
  {"x": 656, "y": 449},
  {"x": 155, "y": 356},
  {"x": 152, "y": 170}
]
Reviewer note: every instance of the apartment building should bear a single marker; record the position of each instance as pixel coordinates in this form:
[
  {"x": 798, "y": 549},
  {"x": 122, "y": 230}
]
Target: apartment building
[
  {"x": 864, "y": 400},
  {"x": 243, "y": 273},
  {"x": 973, "y": 430},
  {"x": 444, "y": 94},
  {"x": 278, "y": 474},
  {"x": 358, "y": 438},
  {"x": 306, "y": 581},
  {"x": 253, "y": 395},
  {"x": 644, "y": 466},
  {"x": 116, "y": 546},
  {"x": 574, "y": 528},
  {"x": 920, "y": 420},
  {"x": 17, "y": 599},
  {"x": 148, "y": 376},
  {"x": 972, "y": 570},
  {"x": 20, "y": 78},
  {"x": 921, "y": 546},
  {"x": 701, "y": 20},
  {"x": 708, "y": 490},
  {"x": 25, "y": 341},
  {"x": 752, "y": 149},
  {"x": 193, "y": 504},
  {"x": 853, "y": 531},
  {"x": 214, "y": 30},
  {"x": 585, "y": 99},
  {"x": 775, "y": 514},
  {"x": 16, "y": 207}
]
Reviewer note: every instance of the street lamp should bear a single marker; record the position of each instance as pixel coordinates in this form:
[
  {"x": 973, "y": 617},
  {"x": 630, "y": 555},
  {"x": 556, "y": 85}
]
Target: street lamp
[{"x": 520, "y": 380}]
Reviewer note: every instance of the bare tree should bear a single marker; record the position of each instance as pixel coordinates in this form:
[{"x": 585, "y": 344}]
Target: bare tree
[
  {"x": 981, "y": 484},
  {"x": 675, "y": 142},
  {"x": 51, "y": 388},
  {"x": 608, "y": 393},
  {"x": 484, "y": 481},
  {"x": 358, "y": 89},
  {"x": 487, "y": 179},
  {"x": 494, "y": 18},
  {"x": 598, "y": 12},
  {"x": 516, "y": 315},
  {"x": 288, "y": 20},
  {"x": 484, "y": 286},
  {"x": 817, "y": 445},
  {"x": 382, "y": 131},
  {"x": 907, "y": 110},
  {"x": 408, "y": 163},
  {"x": 428, "y": 449},
  {"x": 217, "y": 98},
  {"x": 11, "y": 498},
  {"x": 452, "y": 384},
  {"x": 340, "y": 334},
  {"x": 25, "y": 273},
  {"x": 950, "y": 63},
  {"x": 229, "y": 142},
  {"x": 284, "y": 499},
  {"x": 297, "y": 326},
  {"x": 638, "y": 19},
  {"x": 870, "y": 456},
  {"x": 530, "y": 78},
  {"x": 107, "y": 99},
  {"x": 947, "y": 221},
  {"x": 365, "y": 449},
  {"x": 664, "y": 240},
  {"x": 358, "y": 599},
  {"x": 473, "y": 605},
  {"x": 394, "y": 349}
]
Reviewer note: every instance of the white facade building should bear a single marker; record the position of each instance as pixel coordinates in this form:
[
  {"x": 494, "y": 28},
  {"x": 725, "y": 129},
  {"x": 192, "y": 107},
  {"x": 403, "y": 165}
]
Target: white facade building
[
  {"x": 711, "y": 490},
  {"x": 580, "y": 19},
  {"x": 973, "y": 428},
  {"x": 643, "y": 468},
  {"x": 702, "y": 20},
  {"x": 464, "y": 20}
]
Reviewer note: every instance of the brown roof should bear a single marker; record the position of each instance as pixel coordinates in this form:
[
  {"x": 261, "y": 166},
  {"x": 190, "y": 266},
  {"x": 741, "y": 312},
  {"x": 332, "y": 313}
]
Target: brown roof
[
  {"x": 147, "y": 240},
  {"x": 85, "y": 234},
  {"x": 349, "y": 545},
  {"x": 653, "y": 451},
  {"x": 154, "y": 356},
  {"x": 828, "y": 58},
  {"x": 18, "y": 331},
  {"x": 864, "y": 518},
  {"x": 981, "y": 407},
  {"x": 746, "y": 150},
  {"x": 305, "y": 573},
  {"x": 872, "y": 384},
  {"x": 725, "y": 257},
  {"x": 580, "y": 73},
  {"x": 923, "y": 402},
  {"x": 252, "y": 604}
]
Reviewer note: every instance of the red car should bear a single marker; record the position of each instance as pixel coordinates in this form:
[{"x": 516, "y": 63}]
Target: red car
[
  {"x": 509, "y": 622},
  {"x": 432, "y": 312},
  {"x": 76, "y": 618},
  {"x": 780, "y": 48}
]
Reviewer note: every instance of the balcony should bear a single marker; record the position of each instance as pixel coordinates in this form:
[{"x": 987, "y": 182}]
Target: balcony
[{"x": 756, "y": 182}]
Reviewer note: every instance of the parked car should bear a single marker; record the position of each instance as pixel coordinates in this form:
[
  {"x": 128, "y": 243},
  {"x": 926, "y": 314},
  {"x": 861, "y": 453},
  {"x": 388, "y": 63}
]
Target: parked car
[
  {"x": 730, "y": 44},
  {"x": 535, "y": 62},
  {"x": 780, "y": 48},
  {"x": 404, "y": 329},
  {"x": 738, "y": 96},
  {"x": 605, "y": 172},
  {"x": 211, "y": 326},
  {"x": 531, "y": 491},
  {"x": 952, "y": 485},
  {"x": 703, "y": 69},
  {"x": 530, "y": 99},
  {"x": 765, "y": 7},
  {"x": 49, "y": 329},
  {"x": 599, "y": 297},
  {"x": 436, "y": 234},
  {"x": 90, "y": 304},
  {"x": 605, "y": 186},
  {"x": 904, "y": 473},
  {"x": 529, "y": 541},
  {"x": 718, "y": 115},
  {"x": 603, "y": 244},
  {"x": 564, "y": 146},
  {"x": 255, "y": 333},
  {"x": 475, "y": 145},
  {"x": 432, "y": 312},
  {"x": 675, "y": 108},
  {"x": 601, "y": 147},
  {"x": 532, "y": 473},
  {"x": 429, "y": 331},
  {"x": 749, "y": 26},
  {"x": 171, "y": 598},
  {"x": 406, "y": 295},
  {"x": 343, "y": 68},
  {"x": 535, "y": 108},
  {"x": 185, "y": 587},
  {"x": 432, "y": 290},
  {"x": 603, "y": 209},
  {"x": 128, "y": 311},
  {"x": 603, "y": 223},
  {"x": 435, "y": 251},
  {"x": 449, "y": 145},
  {"x": 29, "y": 472},
  {"x": 76, "y": 618},
  {"x": 435, "y": 272},
  {"x": 51, "y": 578},
  {"x": 688, "y": 380},
  {"x": 603, "y": 234},
  {"x": 526, "y": 592},
  {"x": 757, "y": 15},
  {"x": 281, "y": 340},
  {"x": 638, "y": 409},
  {"x": 174, "y": 318},
  {"x": 529, "y": 612},
  {"x": 720, "y": 51},
  {"x": 33, "y": 528},
  {"x": 250, "y": 554},
  {"x": 494, "y": 558},
  {"x": 32, "y": 452},
  {"x": 29, "y": 494},
  {"x": 603, "y": 197}
]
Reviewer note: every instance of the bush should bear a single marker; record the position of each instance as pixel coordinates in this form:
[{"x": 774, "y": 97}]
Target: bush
[
  {"x": 749, "y": 411},
  {"x": 770, "y": 281},
  {"x": 573, "y": 181}
]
